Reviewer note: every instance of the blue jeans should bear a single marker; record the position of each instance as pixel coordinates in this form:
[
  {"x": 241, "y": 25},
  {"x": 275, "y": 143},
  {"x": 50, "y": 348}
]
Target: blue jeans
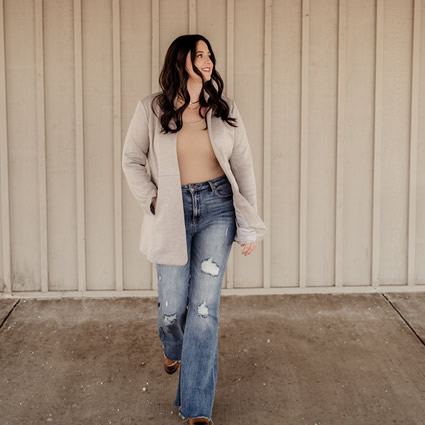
[{"x": 189, "y": 295}]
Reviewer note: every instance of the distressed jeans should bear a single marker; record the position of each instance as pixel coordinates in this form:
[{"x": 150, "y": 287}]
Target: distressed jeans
[{"x": 189, "y": 295}]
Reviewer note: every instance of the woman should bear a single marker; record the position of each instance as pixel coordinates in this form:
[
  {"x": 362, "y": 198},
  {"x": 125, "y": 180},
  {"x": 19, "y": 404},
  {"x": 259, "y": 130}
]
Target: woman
[{"x": 198, "y": 198}]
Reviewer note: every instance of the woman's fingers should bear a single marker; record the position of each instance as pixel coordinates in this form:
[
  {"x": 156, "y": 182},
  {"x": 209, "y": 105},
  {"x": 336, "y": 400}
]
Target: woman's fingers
[{"x": 248, "y": 248}]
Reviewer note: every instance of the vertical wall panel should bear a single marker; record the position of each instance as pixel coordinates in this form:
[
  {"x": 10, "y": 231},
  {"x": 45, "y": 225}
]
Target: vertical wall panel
[
  {"x": 340, "y": 144},
  {"x": 420, "y": 187},
  {"x": 377, "y": 141},
  {"x": 98, "y": 143},
  {"x": 60, "y": 141},
  {"x": 267, "y": 138},
  {"x": 41, "y": 141},
  {"x": 395, "y": 140},
  {"x": 155, "y": 46},
  {"x": 285, "y": 150},
  {"x": 230, "y": 48},
  {"x": 230, "y": 90},
  {"x": 304, "y": 140},
  {"x": 118, "y": 239},
  {"x": 413, "y": 142},
  {"x": 358, "y": 147},
  {"x": 136, "y": 84},
  {"x": 322, "y": 143},
  {"x": 22, "y": 143},
  {"x": 174, "y": 21},
  {"x": 192, "y": 16},
  {"x": 211, "y": 23},
  {"x": 79, "y": 147},
  {"x": 249, "y": 43},
  {"x": 5, "y": 283}
]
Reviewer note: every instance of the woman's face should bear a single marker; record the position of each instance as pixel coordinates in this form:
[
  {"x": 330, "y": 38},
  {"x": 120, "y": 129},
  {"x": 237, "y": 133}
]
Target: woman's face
[{"x": 202, "y": 62}]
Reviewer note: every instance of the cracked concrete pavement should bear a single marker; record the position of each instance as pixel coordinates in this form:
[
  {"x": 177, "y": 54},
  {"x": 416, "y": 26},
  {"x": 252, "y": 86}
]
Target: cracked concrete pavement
[{"x": 285, "y": 359}]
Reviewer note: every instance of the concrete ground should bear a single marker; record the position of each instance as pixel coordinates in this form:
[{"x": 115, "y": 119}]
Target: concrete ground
[{"x": 284, "y": 360}]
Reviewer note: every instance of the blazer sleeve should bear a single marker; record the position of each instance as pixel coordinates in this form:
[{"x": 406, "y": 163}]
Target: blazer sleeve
[
  {"x": 134, "y": 159},
  {"x": 243, "y": 170}
]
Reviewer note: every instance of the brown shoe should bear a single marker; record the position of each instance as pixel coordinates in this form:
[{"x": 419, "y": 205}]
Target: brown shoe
[
  {"x": 171, "y": 366},
  {"x": 198, "y": 421}
]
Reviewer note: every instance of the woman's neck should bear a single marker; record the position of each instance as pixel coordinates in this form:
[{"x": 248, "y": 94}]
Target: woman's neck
[{"x": 194, "y": 88}]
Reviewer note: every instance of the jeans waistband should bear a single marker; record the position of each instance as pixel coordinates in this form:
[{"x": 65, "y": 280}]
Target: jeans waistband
[{"x": 205, "y": 185}]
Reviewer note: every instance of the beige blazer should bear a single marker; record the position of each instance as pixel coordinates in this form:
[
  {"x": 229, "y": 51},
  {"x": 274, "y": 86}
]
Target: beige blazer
[{"x": 163, "y": 235}]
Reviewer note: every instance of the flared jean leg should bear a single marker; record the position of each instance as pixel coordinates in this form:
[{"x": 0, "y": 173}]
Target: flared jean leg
[
  {"x": 189, "y": 295},
  {"x": 198, "y": 373}
]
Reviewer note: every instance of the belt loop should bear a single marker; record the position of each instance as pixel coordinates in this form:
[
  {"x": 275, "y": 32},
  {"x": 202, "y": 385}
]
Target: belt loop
[{"x": 211, "y": 185}]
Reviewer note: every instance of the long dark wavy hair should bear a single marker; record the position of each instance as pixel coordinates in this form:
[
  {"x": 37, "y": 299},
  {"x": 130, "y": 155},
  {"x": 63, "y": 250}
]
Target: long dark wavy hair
[{"x": 173, "y": 82}]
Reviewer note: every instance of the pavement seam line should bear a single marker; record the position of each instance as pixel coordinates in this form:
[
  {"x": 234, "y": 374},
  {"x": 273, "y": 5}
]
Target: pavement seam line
[
  {"x": 8, "y": 314},
  {"x": 404, "y": 319}
]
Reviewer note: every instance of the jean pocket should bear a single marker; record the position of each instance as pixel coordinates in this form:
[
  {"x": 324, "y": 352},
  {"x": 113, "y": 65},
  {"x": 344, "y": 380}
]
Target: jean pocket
[{"x": 223, "y": 190}]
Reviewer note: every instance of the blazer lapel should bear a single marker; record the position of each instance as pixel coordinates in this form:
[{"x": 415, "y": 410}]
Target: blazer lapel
[{"x": 220, "y": 140}]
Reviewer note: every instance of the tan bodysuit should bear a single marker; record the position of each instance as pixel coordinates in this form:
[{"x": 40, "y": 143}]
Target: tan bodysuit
[{"x": 197, "y": 161}]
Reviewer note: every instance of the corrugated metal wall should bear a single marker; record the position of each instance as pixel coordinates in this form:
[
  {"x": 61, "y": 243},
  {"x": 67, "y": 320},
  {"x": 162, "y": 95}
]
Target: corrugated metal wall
[{"x": 333, "y": 97}]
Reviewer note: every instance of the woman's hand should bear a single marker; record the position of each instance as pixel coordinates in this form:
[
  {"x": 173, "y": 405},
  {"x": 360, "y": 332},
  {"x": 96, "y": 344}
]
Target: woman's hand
[
  {"x": 153, "y": 205},
  {"x": 248, "y": 248}
]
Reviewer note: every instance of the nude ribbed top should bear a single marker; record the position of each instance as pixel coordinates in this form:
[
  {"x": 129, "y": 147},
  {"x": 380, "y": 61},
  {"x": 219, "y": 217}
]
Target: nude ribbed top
[{"x": 197, "y": 161}]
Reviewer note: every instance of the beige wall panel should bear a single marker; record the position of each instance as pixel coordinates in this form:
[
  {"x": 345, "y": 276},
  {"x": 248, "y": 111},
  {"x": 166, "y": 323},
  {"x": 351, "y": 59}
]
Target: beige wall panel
[
  {"x": 395, "y": 140},
  {"x": 285, "y": 151},
  {"x": 358, "y": 143},
  {"x": 138, "y": 74},
  {"x": 420, "y": 206},
  {"x": 173, "y": 21},
  {"x": 249, "y": 47},
  {"x": 60, "y": 144},
  {"x": 98, "y": 142},
  {"x": 211, "y": 23},
  {"x": 322, "y": 143},
  {"x": 135, "y": 84},
  {"x": 23, "y": 147}
]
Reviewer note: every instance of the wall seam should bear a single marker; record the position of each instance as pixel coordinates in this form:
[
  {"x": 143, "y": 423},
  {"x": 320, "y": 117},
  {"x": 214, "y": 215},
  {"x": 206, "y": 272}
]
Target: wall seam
[
  {"x": 377, "y": 141},
  {"x": 4, "y": 164},
  {"x": 304, "y": 143},
  {"x": 41, "y": 136},
  {"x": 155, "y": 88},
  {"x": 192, "y": 16},
  {"x": 116, "y": 53},
  {"x": 79, "y": 136},
  {"x": 267, "y": 112},
  {"x": 414, "y": 130},
  {"x": 339, "y": 201},
  {"x": 230, "y": 90}
]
